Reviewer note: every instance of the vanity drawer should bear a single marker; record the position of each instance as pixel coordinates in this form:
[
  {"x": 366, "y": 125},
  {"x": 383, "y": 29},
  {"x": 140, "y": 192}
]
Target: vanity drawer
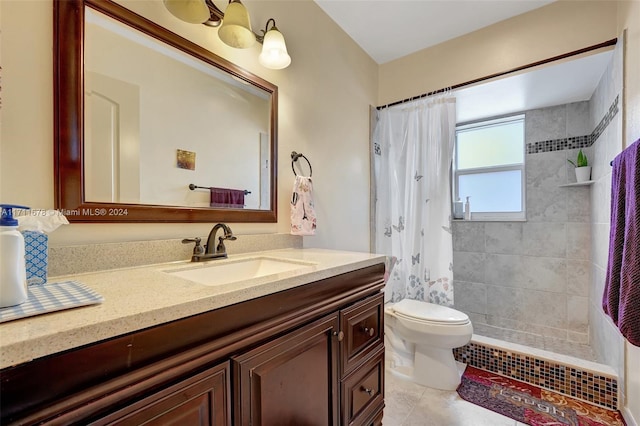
[
  {"x": 363, "y": 327},
  {"x": 377, "y": 419},
  {"x": 362, "y": 391}
]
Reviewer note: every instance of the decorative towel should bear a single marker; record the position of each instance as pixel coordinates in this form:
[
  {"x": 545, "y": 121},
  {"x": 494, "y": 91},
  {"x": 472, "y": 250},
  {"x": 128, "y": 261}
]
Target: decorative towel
[
  {"x": 230, "y": 198},
  {"x": 303, "y": 216},
  {"x": 51, "y": 297},
  {"x": 621, "y": 299}
]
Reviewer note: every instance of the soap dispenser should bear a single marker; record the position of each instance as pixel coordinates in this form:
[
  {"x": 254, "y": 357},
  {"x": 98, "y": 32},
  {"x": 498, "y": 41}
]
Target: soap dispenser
[
  {"x": 13, "y": 274},
  {"x": 457, "y": 209}
]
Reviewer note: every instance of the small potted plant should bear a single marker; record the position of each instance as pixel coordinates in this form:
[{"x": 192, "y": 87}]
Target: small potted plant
[{"x": 582, "y": 167}]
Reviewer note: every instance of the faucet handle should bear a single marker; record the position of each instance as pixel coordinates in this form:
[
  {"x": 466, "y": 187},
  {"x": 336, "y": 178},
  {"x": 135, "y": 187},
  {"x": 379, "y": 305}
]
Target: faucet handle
[
  {"x": 228, "y": 233},
  {"x": 220, "y": 248},
  {"x": 198, "y": 249}
]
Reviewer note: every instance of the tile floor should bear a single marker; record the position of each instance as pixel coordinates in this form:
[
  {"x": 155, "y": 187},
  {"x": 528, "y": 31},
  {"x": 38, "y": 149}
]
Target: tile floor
[{"x": 409, "y": 404}]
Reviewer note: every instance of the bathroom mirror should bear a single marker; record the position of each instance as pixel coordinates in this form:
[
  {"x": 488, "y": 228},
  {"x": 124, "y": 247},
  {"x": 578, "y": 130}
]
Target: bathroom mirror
[{"x": 150, "y": 127}]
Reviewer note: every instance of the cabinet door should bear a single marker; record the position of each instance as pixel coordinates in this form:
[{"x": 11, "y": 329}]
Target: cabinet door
[
  {"x": 199, "y": 400},
  {"x": 363, "y": 327},
  {"x": 290, "y": 381}
]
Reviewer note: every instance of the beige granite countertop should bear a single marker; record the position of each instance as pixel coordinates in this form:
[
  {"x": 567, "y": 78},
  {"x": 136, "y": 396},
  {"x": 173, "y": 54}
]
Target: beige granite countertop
[{"x": 142, "y": 297}]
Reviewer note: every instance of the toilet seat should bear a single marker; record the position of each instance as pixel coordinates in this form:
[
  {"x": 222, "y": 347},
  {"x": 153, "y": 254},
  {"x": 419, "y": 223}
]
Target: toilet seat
[
  {"x": 428, "y": 313},
  {"x": 423, "y": 335}
]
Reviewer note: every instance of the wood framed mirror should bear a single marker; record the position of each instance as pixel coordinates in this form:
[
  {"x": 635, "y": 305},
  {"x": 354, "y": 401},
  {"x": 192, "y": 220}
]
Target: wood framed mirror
[{"x": 157, "y": 190}]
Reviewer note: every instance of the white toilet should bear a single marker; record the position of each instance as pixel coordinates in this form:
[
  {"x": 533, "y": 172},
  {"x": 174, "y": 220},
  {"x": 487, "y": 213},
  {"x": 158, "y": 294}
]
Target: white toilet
[{"x": 419, "y": 342}]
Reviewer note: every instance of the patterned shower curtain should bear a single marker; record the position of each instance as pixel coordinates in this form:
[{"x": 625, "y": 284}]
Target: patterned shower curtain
[{"x": 412, "y": 152}]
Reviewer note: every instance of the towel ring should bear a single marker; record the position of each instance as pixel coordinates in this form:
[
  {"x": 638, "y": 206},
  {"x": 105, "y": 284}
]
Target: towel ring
[{"x": 294, "y": 158}]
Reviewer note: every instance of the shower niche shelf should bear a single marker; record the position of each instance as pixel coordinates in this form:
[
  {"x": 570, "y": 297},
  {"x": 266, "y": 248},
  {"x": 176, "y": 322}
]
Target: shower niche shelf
[{"x": 585, "y": 183}]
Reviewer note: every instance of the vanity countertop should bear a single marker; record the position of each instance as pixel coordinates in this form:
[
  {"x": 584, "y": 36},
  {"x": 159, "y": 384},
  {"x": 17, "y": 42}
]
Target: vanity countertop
[{"x": 142, "y": 297}]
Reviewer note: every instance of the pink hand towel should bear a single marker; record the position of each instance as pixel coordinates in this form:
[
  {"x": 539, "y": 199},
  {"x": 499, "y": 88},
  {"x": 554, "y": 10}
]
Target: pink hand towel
[{"x": 303, "y": 215}]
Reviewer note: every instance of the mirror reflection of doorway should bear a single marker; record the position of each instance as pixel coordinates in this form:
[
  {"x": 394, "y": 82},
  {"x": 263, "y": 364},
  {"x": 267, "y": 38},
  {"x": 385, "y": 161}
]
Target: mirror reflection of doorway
[
  {"x": 112, "y": 158},
  {"x": 265, "y": 181}
]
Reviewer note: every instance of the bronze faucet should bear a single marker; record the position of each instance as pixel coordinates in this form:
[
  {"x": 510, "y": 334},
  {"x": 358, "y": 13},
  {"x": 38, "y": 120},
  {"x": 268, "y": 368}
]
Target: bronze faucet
[{"x": 210, "y": 250}]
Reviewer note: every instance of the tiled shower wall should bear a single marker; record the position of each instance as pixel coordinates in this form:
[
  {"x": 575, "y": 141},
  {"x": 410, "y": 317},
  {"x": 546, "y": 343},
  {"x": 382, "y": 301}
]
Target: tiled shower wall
[
  {"x": 606, "y": 340},
  {"x": 532, "y": 277}
]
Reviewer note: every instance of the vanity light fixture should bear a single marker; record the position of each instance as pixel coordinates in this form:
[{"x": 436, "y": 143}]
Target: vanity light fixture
[
  {"x": 191, "y": 11},
  {"x": 274, "y": 51},
  {"x": 234, "y": 28}
]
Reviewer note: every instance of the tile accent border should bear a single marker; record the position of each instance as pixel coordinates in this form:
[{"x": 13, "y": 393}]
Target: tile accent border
[
  {"x": 613, "y": 110},
  {"x": 574, "y": 381},
  {"x": 575, "y": 141},
  {"x": 559, "y": 144}
]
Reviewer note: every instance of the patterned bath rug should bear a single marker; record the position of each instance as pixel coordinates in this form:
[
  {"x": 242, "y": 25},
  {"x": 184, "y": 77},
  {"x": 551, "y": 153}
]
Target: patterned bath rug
[{"x": 530, "y": 404}]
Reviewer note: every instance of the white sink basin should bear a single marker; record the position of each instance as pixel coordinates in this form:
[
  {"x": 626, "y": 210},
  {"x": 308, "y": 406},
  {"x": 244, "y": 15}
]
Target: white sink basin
[{"x": 218, "y": 272}]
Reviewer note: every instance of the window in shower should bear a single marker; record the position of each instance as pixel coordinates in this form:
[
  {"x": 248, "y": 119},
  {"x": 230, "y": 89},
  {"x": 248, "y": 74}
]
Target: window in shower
[{"x": 489, "y": 168}]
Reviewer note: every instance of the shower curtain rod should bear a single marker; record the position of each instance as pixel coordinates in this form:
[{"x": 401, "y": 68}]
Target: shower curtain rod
[{"x": 608, "y": 43}]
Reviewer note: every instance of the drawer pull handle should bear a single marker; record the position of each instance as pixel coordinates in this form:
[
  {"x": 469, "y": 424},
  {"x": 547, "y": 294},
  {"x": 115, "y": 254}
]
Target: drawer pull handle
[
  {"x": 369, "y": 331},
  {"x": 367, "y": 391},
  {"x": 339, "y": 334}
]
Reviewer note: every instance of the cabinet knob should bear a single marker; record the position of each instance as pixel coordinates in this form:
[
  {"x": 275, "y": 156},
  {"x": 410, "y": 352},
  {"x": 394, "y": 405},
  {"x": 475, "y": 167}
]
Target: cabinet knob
[
  {"x": 367, "y": 390},
  {"x": 370, "y": 331},
  {"x": 339, "y": 334}
]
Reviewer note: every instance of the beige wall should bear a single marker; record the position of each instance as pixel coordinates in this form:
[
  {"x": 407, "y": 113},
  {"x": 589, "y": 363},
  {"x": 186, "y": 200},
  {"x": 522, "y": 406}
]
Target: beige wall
[
  {"x": 546, "y": 32},
  {"x": 629, "y": 19},
  {"x": 324, "y": 113}
]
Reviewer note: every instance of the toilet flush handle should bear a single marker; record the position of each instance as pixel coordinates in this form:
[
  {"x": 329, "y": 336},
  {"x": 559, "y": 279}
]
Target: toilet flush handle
[{"x": 391, "y": 313}]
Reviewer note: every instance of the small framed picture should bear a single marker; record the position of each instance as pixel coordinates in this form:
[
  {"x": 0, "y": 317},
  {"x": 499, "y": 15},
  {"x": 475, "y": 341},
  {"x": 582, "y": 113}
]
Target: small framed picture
[{"x": 186, "y": 159}]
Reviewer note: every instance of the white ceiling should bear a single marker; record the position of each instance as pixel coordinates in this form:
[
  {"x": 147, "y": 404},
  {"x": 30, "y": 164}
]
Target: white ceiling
[
  {"x": 390, "y": 29},
  {"x": 550, "y": 85}
]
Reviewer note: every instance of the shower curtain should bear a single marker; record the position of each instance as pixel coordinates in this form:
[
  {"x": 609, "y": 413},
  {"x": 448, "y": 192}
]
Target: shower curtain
[{"x": 412, "y": 152}]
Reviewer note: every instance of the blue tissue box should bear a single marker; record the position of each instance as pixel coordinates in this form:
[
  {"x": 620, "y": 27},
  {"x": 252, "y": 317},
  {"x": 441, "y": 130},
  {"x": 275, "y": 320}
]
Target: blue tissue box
[{"x": 36, "y": 256}]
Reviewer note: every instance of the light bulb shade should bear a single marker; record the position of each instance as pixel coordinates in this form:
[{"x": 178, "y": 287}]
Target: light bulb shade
[
  {"x": 192, "y": 11},
  {"x": 274, "y": 51},
  {"x": 235, "y": 30}
]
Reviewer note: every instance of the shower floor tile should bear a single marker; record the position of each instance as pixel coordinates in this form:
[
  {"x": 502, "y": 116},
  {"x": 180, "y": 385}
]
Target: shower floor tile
[
  {"x": 559, "y": 346},
  {"x": 577, "y": 350}
]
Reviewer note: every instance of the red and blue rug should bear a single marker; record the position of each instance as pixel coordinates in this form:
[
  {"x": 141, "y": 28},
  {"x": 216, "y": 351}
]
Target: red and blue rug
[{"x": 530, "y": 404}]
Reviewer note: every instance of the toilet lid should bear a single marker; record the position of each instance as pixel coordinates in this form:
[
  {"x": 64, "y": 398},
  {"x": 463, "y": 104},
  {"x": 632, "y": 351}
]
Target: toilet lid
[{"x": 418, "y": 310}]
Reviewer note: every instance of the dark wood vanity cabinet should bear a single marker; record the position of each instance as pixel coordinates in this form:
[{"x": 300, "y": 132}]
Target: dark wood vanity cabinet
[
  {"x": 362, "y": 324},
  {"x": 362, "y": 391},
  {"x": 200, "y": 400},
  {"x": 362, "y": 362},
  {"x": 291, "y": 380},
  {"x": 311, "y": 355},
  {"x": 328, "y": 373}
]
